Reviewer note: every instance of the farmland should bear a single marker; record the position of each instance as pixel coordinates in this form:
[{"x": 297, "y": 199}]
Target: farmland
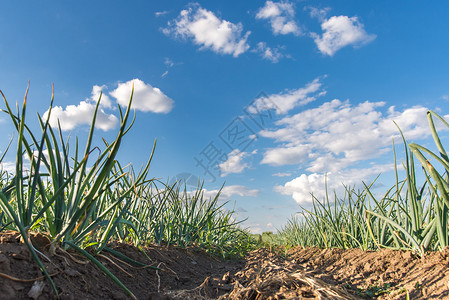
[{"x": 75, "y": 223}]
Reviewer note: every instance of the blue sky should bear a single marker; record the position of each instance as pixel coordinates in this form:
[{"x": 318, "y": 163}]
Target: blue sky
[{"x": 266, "y": 96}]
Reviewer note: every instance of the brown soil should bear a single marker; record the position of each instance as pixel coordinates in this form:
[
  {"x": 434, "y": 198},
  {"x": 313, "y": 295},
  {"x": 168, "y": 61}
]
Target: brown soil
[{"x": 191, "y": 274}]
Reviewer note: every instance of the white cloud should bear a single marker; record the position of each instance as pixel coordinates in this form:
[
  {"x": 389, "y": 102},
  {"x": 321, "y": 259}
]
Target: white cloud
[
  {"x": 282, "y": 174},
  {"x": 301, "y": 188},
  {"x": 9, "y": 167},
  {"x": 168, "y": 62},
  {"x": 146, "y": 97},
  {"x": 285, "y": 155},
  {"x": 335, "y": 138},
  {"x": 160, "y": 13},
  {"x": 337, "y": 134},
  {"x": 445, "y": 97},
  {"x": 228, "y": 191},
  {"x": 341, "y": 31},
  {"x": 319, "y": 13},
  {"x": 82, "y": 114},
  {"x": 208, "y": 31},
  {"x": 234, "y": 163},
  {"x": 281, "y": 16},
  {"x": 271, "y": 54},
  {"x": 96, "y": 91},
  {"x": 284, "y": 102}
]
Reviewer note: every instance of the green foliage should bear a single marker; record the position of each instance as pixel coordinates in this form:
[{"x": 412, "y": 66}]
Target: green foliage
[{"x": 174, "y": 216}]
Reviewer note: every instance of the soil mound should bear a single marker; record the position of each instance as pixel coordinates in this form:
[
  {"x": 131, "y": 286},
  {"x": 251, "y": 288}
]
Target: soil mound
[
  {"x": 183, "y": 272},
  {"x": 383, "y": 274},
  {"x": 298, "y": 273}
]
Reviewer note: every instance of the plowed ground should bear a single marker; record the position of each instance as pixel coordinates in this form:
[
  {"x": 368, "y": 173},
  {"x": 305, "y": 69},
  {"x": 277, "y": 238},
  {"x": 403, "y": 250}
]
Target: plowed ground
[{"x": 191, "y": 274}]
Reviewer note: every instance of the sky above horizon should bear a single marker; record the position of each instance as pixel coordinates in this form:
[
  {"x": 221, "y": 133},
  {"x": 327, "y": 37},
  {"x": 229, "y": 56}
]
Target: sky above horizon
[{"x": 268, "y": 98}]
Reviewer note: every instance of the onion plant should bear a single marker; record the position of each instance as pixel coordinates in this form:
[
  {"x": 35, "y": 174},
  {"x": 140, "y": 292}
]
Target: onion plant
[{"x": 171, "y": 215}]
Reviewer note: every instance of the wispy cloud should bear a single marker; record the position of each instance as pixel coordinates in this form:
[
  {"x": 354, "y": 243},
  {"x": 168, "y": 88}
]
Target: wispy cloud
[
  {"x": 160, "y": 13},
  {"x": 268, "y": 53},
  {"x": 281, "y": 16},
  {"x": 146, "y": 97},
  {"x": 282, "y": 174},
  {"x": 168, "y": 64},
  {"x": 234, "y": 163},
  {"x": 282, "y": 103},
  {"x": 82, "y": 114},
  {"x": 209, "y": 31},
  {"x": 339, "y": 32},
  {"x": 318, "y": 13},
  {"x": 164, "y": 74}
]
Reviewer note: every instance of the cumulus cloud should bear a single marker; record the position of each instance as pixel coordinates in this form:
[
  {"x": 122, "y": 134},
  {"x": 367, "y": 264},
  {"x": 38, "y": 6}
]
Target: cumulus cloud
[
  {"x": 95, "y": 96},
  {"x": 209, "y": 31},
  {"x": 341, "y": 31},
  {"x": 303, "y": 187},
  {"x": 335, "y": 138},
  {"x": 146, "y": 97},
  {"x": 337, "y": 134},
  {"x": 284, "y": 102},
  {"x": 281, "y": 16},
  {"x": 268, "y": 53},
  {"x": 234, "y": 163},
  {"x": 228, "y": 191},
  {"x": 285, "y": 155},
  {"x": 82, "y": 114}
]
